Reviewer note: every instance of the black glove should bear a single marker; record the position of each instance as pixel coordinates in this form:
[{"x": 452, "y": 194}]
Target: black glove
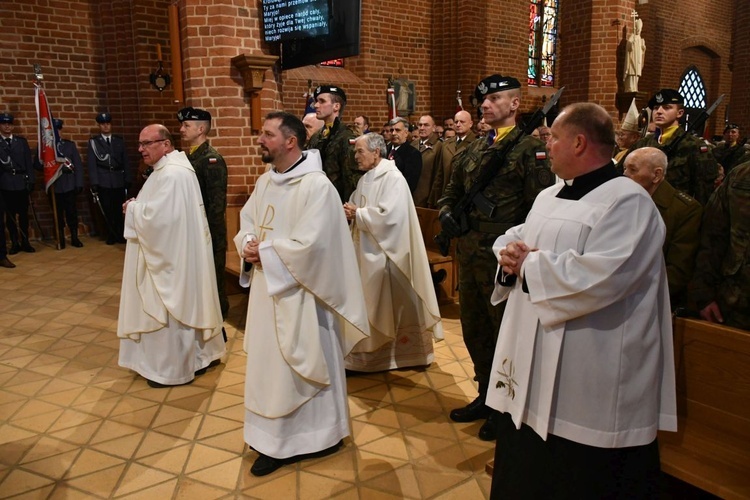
[
  {"x": 94, "y": 188},
  {"x": 450, "y": 227}
]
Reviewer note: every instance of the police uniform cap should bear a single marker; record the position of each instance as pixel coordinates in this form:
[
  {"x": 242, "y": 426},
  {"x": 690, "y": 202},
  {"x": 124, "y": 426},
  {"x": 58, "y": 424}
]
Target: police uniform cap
[
  {"x": 193, "y": 114},
  {"x": 495, "y": 83},
  {"x": 731, "y": 126},
  {"x": 329, "y": 89},
  {"x": 665, "y": 96},
  {"x": 57, "y": 123},
  {"x": 6, "y": 118},
  {"x": 103, "y": 118}
]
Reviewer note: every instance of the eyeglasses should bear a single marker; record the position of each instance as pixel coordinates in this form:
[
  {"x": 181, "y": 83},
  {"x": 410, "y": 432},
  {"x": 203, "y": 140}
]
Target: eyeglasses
[{"x": 145, "y": 144}]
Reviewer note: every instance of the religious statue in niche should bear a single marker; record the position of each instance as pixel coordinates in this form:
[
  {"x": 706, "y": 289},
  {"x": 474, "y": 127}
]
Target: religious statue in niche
[
  {"x": 635, "y": 56},
  {"x": 405, "y": 97}
]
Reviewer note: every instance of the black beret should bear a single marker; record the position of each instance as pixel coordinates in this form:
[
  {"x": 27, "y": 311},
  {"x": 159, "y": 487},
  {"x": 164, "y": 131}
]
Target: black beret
[
  {"x": 6, "y": 118},
  {"x": 495, "y": 83},
  {"x": 193, "y": 114},
  {"x": 731, "y": 126},
  {"x": 57, "y": 123},
  {"x": 103, "y": 118},
  {"x": 329, "y": 89},
  {"x": 665, "y": 96}
]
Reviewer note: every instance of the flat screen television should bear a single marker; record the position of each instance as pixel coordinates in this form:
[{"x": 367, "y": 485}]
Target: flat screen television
[
  {"x": 341, "y": 40},
  {"x": 294, "y": 19}
]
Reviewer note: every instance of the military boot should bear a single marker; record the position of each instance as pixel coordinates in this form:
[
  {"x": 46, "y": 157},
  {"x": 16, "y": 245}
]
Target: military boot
[{"x": 74, "y": 238}]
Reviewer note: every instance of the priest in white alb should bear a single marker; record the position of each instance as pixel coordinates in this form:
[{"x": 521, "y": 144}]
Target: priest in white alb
[
  {"x": 583, "y": 371},
  {"x": 170, "y": 319},
  {"x": 306, "y": 309},
  {"x": 401, "y": 303}
]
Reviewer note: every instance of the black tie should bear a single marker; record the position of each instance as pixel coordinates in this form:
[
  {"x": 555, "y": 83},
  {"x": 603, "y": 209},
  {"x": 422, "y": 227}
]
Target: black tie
[
  {"x": 7, "y": 139},
  {"x": 108, "y": 143},
  {"x": 458, "y": 141}
]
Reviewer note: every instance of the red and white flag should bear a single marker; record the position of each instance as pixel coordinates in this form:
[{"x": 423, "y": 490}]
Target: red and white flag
[{"x": 48, "y": 140}]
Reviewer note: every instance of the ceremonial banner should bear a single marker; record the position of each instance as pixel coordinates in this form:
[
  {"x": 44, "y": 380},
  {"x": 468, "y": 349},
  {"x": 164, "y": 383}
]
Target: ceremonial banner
[
  {"x": 392, "y": 104},
  {"x": 48, "y": 140}
]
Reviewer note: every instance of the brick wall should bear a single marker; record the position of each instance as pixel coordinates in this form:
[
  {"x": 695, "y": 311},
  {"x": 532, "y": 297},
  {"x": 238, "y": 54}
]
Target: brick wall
[{"x": 739, "y": 110}]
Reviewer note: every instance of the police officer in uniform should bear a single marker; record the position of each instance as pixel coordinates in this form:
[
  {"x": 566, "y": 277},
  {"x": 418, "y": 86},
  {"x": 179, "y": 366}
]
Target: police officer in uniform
[
  {"x": 332, "y": 140},
  {"x": 211, "y": 171},
  {"x": 16, "y": 182},
  {"x": 523, "y": 173},
  {"x": 692, "y": 168},
  {"x": 67, "y": 187},
  {"x": 110, "y": 175}
]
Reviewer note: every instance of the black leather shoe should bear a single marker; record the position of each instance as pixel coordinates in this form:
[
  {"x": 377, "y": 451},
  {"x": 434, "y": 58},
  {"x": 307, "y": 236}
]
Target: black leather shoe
[
  {"x": 215, "y": 362},
  {"x": 62, "y": 243},
  {"x": 76, "y": 243},
  {"x": 265, "y": 465},
  {"x": 473, "y": 411},
  {"x": 26, "y": 247},
  {"x": 158, "y": 385},
  {"x": 6, "y": 263},
  {"x": 488, "y": 431},
  {"x": 14, "y": 249}
]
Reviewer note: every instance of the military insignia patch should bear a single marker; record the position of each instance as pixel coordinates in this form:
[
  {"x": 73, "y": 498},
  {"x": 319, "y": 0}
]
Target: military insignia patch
[
  {"x": 212, "y": 160},
  {"x": 541, "y": 155},
  {"x": 704, "y": 149}
]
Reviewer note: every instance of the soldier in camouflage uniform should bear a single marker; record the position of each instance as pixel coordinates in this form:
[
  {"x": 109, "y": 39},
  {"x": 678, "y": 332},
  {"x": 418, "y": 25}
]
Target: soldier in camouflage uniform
[
  {"x": 731, "y": 152},
  {"x": 523, "y": 174},
  {"x": 211, "y": 171},
  {"x": 692, "y": 168},
  {"x": 720, "y": 288},
  {"x": 333, "y": 141}
]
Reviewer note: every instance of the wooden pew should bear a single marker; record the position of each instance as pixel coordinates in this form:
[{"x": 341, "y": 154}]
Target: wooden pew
[
  {"x": 232, "y": 266},
  {"x": 430, "y": 226},
  {"x": 711, "y": 449}
]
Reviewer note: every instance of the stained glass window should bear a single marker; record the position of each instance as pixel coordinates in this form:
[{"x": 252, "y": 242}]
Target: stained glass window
[
  {"x": 692, "y": 89},
  {"x": 542, "y": 42}
]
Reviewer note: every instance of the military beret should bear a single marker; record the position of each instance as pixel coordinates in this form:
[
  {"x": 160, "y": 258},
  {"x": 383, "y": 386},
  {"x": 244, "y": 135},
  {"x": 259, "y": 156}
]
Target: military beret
[
  {"x": 665, "y": 96},
  {"x": 329, "y": 89},
  {"x": 495, "y": 83},
  {"x": 193, "y": 114},
  {"x": 103, "y": 118},
  {"x": 6, "y": 118},
  {"x": 731, "y": 126},
  {"x": 58, "y": 123}
]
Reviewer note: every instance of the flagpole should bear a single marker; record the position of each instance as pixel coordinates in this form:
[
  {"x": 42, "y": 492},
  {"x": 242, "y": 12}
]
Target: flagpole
[{"x": 38, "y": 77}]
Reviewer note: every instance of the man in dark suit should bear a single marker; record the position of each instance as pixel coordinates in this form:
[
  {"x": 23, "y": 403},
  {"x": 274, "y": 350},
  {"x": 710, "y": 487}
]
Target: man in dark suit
[
  {"x": 462, "y": 124},
  {"x": 16, "y": 182},
  {"x": 110, "y": 175},
  {"x": 408, "y": 159}
]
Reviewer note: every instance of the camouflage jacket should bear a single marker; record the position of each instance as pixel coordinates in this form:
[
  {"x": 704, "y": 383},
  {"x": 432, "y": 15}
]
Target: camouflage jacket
[
  {"x": 524, "y": 173},
  {"x": 722, "y": 271},
  {"x": 338, "y": 157},
  {"x": 692, "y": 168},
  {"x": 731, "y": 156},
  {"x": 211, "y": 171}
]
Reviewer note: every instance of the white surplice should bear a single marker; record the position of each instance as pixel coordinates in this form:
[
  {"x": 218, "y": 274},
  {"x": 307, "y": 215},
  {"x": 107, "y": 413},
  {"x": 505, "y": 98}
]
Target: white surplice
[
  {"x": 306, "y": 311},
  {"x": 401, "y": 302},
  {"x": 170, "y": 319},
  {"x": 587, "y": 354}
]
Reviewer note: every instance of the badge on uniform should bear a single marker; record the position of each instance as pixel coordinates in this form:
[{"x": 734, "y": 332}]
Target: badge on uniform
[
  {"x": 704, "y": 149},
  {"x": 541, "y": 155},
  {"x": 212, "y": 160}
]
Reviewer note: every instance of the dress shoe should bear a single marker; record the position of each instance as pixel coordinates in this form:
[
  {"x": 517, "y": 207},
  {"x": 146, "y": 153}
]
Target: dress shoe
[
  {"x": 265, "y": 465},
  {"x": 488, "y": 431},
  {"x": 14, "y": 249},
  {"x": 157, "y": 385},
  {"x": 215, "y": 362},
  {"x": 6, "y": 263},
  {"x": 62, "y": 243},
  {"x": 26, "y": 247},
  {"x": 76, "y": 242},
  {"x": 110, "y": 241},
  {"x": 473, "y": 411}
]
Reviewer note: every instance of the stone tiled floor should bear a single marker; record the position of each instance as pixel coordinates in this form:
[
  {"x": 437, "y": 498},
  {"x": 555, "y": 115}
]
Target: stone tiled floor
[{"x": 75, "y": 425}]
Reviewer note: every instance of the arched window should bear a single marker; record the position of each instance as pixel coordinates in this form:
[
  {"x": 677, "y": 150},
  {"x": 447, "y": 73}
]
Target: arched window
[
  {"x": 693, "y": 89},
  {"x": 542, "y": 42}
]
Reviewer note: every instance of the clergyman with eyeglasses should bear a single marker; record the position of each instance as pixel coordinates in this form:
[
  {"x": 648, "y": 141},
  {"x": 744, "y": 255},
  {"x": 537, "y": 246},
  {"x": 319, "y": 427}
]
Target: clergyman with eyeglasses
[{"x": 170, "y": 318}]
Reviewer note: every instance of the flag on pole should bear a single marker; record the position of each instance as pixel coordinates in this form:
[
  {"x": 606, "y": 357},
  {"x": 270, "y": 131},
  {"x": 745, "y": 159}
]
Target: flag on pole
[
  {"x": 48, "y": 140},
  {"x": 391, "y": 104},
  {"x": 459, "y": 102}
]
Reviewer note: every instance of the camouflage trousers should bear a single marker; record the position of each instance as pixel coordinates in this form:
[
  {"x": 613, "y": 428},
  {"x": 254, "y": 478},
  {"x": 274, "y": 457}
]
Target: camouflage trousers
[{"x": 480, "y": 320}]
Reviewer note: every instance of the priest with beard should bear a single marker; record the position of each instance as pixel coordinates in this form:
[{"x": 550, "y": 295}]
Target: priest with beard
[
  {"x": 401, "y": 303},
  {"x": 306, "y": 309}
]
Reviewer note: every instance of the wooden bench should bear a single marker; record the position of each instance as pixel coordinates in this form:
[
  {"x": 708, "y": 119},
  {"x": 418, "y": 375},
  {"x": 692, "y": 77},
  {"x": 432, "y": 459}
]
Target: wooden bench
[
  {"x": 429, "y": 223},
  {"x": 232, "y": 266},
  {"x": 711, "y": 448}
]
